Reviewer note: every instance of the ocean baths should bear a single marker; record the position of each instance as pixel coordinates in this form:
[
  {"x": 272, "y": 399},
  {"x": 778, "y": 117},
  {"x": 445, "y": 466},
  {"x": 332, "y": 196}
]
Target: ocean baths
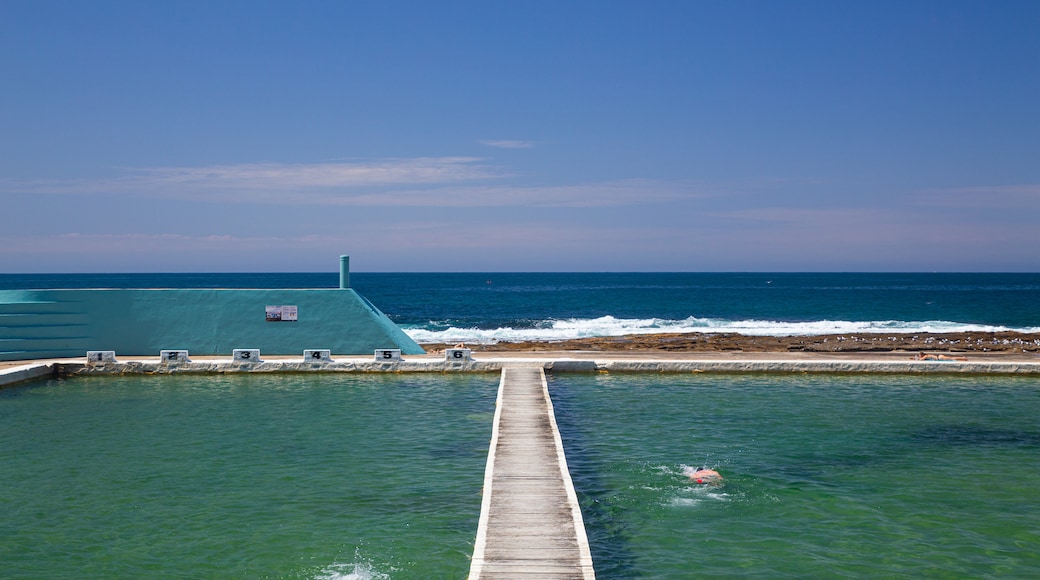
[
  {"x": 243, "y": 475},
  {"x": 835, "y": 442},
  {"x": 827, "y": 475}
]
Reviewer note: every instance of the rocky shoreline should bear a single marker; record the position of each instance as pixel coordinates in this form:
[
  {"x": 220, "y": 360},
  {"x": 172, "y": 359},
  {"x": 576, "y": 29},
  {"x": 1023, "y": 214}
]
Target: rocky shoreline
[{"x": 961, "y": 342}]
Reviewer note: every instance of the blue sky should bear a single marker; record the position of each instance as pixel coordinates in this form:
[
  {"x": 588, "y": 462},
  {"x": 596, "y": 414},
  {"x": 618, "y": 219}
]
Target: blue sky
[{"x": 519, "y": 136}]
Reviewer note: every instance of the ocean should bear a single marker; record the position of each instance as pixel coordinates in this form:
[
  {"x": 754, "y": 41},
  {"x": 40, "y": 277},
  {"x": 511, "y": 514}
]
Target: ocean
[{"x": 487, "y": 307}]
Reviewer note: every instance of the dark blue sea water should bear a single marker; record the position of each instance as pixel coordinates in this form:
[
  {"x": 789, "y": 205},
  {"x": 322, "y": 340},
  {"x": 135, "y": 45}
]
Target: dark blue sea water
[{"x": 550, "y": 306}]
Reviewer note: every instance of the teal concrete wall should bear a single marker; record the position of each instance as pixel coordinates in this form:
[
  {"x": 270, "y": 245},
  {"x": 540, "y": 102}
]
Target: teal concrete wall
[{"x": 67, "y": 323}]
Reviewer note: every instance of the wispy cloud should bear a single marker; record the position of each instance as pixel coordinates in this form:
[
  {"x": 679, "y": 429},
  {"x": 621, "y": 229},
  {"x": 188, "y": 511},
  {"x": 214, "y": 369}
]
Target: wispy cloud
[
  {"x": 413, "y": 237},
  {"x": 271, "y": 177},
  {"x": 1021, "y": 197},
  {"x": 147, "y": 243},
  {"x": 766, "y": 239},
  {"x": 417, "y": 182},
  {"x": 508, "y": 144},
  {"x": 587, "y": 195},
  {"x": 343, "y": 174},
  {"x": 800, "y": 217}
]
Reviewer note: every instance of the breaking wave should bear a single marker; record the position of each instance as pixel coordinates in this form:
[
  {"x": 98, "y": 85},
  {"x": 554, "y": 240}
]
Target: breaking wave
[{"x": 605, "y": 326}]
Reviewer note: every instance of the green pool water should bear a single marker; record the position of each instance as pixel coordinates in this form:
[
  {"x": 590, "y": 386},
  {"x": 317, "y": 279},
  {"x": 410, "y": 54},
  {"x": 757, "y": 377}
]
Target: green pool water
[
  {"x": 243, "y": 476},
  {"x": 864, "y": 476},
  {"x": 379, "y": 476}
]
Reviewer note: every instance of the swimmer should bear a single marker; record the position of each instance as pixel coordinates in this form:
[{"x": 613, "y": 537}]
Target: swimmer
[
  {"x": 704, "y": 476},
  {"x": 926, "y": 356}
]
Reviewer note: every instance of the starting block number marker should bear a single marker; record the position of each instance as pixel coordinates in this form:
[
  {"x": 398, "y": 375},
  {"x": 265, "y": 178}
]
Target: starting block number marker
[
  {"x": 100, "y": 357},
  {"x": 457, "y": 354},
  {"x": 388, "y": 355},
  {"x": 173, "y": 356},
  {"x": 250, "y": 355},
  {"x": 317, "y": 355}
]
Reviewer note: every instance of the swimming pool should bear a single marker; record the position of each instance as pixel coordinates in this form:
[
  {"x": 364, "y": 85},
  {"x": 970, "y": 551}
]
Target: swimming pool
[
  {"x": 379, "y": 475},
  {"x": 243, "y": 476},
  {"x": 826, "y": 475}
]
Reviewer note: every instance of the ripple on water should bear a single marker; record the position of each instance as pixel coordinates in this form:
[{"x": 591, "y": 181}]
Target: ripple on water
[
  {"x": 858, "y": 476},
  {"x": 243, "y": 476}
]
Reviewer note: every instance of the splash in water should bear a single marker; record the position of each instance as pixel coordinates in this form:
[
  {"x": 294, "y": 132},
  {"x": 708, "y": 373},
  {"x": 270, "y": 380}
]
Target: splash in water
[{"x": 361, "y": 569}]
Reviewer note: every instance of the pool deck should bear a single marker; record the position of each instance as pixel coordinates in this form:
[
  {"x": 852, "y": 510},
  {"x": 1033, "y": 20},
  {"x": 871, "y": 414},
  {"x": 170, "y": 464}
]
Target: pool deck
[
  {"x": 552, "y": 361},
  {"x": 530, "y": 522}
]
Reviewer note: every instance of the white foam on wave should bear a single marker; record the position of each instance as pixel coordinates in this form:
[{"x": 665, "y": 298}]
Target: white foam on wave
[{"x": 606, "y": 326}]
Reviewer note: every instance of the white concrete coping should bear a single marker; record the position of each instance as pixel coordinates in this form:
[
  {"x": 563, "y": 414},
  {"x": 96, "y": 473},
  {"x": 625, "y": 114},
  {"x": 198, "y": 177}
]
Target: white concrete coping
[
  {"x": 27, "y": 372},
  {"x": 481, "y": 364}
]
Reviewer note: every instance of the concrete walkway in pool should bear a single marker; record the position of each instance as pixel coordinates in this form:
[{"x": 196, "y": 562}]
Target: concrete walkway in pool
[{"x": 530, "y": 522}]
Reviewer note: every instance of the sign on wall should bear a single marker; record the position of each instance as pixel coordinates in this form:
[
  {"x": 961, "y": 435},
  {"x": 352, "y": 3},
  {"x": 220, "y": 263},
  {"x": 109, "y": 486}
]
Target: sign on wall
[{"x": 281, "y": 313}]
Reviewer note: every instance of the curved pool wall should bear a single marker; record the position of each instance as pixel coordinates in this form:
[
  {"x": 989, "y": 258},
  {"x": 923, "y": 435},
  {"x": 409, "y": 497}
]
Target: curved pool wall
[{"x": 62, "y": 323}]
